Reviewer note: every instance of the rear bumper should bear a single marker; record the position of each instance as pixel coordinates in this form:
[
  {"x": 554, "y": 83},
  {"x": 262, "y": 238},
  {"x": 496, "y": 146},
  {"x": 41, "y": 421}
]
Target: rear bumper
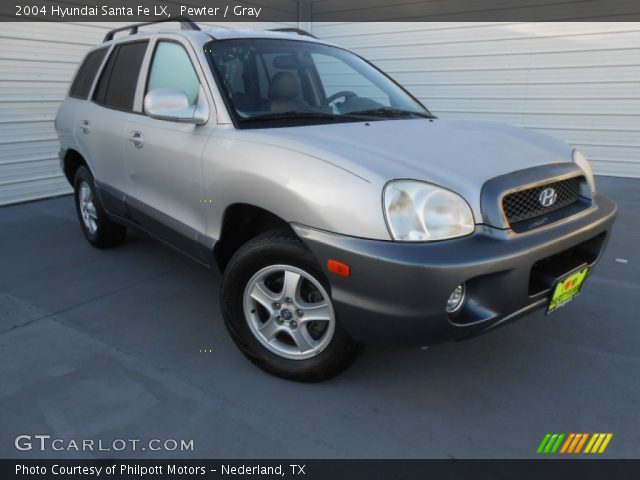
[{"x": 397, "y": 292}]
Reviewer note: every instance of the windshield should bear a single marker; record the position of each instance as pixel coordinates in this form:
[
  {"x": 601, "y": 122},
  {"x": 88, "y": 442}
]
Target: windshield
[{"x": 269, "y": 82}]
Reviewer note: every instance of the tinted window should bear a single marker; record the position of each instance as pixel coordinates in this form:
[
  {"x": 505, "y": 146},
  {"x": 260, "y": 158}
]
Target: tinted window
[
  {"x": 117, "y": 85},
  {"x": 86, "y": 74},
  {"x": 172, "y": 68}
]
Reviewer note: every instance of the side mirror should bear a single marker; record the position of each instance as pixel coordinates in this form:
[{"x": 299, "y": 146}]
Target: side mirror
[{"x": 172, "y": 104}]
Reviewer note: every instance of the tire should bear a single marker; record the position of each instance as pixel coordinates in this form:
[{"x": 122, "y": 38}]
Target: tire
[
  {"x": 258, "y": 304},
  {"x": 98, "y": 228}
]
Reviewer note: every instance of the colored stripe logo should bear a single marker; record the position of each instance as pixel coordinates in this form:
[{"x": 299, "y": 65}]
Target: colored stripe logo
[{"x": 574, "y": 443}]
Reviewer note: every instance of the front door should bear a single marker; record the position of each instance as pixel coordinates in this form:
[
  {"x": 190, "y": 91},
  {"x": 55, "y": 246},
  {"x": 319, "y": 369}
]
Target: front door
[{"x": 164, "y": 158}]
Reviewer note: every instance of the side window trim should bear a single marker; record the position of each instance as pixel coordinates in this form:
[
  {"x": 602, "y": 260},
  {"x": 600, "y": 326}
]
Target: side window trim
[
  {"x": 94, "y": 84},
  {"x": 138, "y": 101},
  {"x": 107, "y": 72},
  {"x": 114, "y": 51}
]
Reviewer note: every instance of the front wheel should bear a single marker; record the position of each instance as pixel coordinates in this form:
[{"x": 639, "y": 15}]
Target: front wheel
[{"x": 276, "y": 305}]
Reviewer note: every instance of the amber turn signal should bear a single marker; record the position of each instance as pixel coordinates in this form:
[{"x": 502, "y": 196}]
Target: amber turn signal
[{"x": 339, "y": 268}]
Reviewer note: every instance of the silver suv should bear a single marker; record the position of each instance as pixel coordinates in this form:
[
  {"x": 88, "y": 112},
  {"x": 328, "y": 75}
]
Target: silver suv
[{"x": 339, "y": 209}]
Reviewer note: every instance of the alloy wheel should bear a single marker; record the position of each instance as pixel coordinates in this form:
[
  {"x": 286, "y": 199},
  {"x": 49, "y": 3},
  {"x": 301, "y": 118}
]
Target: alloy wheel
[
  {"x": 289, "y": 312},
  {"x": 87, "y": 208}
]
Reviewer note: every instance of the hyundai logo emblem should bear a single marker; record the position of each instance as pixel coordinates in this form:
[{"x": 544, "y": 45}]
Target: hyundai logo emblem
[{"x": 547, "y": 197}]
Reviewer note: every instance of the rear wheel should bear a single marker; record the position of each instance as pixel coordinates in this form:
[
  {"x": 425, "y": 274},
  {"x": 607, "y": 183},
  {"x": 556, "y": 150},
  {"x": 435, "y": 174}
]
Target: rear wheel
[
  {"x": 98, "y": 228},
  {"x": 277, "y": 306}
]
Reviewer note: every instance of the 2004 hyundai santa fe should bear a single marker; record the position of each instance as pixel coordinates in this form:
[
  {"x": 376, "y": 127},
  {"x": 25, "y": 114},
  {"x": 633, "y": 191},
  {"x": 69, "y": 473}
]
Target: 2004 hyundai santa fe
[{"x": 340, "y": 210}]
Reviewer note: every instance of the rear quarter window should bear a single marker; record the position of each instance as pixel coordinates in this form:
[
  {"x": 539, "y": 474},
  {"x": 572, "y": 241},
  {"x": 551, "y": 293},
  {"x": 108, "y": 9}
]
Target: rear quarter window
[
  {"x": 117, "y": 85},
  {"x": 87, "y": 73}
]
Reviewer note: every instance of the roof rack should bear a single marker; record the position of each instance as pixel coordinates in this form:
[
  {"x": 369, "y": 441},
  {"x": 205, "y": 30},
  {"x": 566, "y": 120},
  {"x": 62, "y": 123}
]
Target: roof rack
[
  {"x": 293, "y": 30},
  {"x": 185, "y": 23}
]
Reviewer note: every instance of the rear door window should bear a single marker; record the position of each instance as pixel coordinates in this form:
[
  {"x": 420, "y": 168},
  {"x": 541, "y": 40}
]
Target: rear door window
[
  {"x": 117, "y": 85},
  {"x": 87, "y": 73}
]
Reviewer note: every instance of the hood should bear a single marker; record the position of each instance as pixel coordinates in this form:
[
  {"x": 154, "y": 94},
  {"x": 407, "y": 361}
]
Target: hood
[{"x": 460, "y": 156}]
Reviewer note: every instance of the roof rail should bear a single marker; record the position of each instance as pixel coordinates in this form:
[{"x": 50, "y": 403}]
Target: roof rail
[
  {"x": 293, "y": 30},
  {"x": 185, "y": 23}
]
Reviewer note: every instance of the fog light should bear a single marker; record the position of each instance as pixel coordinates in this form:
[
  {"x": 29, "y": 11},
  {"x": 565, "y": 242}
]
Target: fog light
[{"x": 456, "y": 298}]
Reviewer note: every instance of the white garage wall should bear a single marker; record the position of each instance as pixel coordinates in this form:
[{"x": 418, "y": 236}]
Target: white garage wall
[
  {"x": 579, "y": 82},
  {"x": 37, "y": 62}
]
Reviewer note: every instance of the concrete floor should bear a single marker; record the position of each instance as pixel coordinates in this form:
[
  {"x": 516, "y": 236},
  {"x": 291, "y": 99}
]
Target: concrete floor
[{"x": 107, "y": 344}]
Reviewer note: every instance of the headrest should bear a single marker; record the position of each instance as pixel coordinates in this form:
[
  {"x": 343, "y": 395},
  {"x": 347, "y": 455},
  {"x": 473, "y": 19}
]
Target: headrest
[{"x": 284, "y": 86}]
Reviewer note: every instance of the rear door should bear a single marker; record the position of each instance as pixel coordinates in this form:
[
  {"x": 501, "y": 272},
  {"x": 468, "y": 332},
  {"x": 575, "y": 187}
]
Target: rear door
[
  {"x": 73, "y": 112},
  {"x": 104, "y": 124},
  {"x": 164, "y": 158}
]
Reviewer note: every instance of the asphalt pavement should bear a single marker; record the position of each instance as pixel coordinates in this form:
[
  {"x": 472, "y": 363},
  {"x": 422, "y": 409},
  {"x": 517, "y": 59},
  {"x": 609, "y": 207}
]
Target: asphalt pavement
[{"x": 129, "y": 344}]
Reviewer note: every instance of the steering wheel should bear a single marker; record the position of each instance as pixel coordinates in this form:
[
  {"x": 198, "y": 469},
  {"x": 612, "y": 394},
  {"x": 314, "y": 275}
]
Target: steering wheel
[{"x": 347, "y": 94}]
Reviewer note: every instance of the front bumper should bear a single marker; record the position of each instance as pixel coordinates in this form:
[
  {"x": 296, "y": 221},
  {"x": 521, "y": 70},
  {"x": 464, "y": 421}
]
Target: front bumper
[{"x": 397, "y": 291}]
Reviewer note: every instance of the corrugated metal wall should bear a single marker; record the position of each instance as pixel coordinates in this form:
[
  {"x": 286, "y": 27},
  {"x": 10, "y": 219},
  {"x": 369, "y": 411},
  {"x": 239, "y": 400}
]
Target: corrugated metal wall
[
  {"x": 37, "y": 62},
  {"x": 579, "y": 82}
]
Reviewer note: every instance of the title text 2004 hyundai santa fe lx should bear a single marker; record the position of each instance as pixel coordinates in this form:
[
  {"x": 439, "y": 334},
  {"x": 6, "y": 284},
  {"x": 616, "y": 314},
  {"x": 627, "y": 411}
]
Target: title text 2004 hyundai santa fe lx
[{"x": 340, "y": 210}]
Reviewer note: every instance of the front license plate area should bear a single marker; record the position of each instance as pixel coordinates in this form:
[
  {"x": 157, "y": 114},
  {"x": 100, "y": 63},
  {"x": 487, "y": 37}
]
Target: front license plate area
[{"x": 567, "y": 288}]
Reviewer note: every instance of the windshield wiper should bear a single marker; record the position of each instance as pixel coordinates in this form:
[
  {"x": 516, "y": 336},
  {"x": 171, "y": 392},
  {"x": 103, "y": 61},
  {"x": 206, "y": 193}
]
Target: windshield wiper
[
  {"x": 293, "y": 114},
  {"x": 389, "y": 112}
]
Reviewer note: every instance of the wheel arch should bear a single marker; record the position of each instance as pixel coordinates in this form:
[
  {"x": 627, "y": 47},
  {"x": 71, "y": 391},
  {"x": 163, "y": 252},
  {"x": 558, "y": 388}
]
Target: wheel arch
[
  {"x": 240, "y": 223},
  {"x": 73, "y": 160}
]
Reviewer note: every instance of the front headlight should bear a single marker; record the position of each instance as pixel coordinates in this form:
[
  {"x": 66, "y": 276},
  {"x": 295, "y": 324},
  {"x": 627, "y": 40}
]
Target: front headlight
[
  {"x": 580, "y": 160},
  {"x": 419, "y": 212}
]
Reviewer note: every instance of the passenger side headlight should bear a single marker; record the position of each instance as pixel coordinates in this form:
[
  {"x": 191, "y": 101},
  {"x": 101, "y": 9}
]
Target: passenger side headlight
[
  {"x": 421, "y": 212},
  {"x": 580, "y": 160}
]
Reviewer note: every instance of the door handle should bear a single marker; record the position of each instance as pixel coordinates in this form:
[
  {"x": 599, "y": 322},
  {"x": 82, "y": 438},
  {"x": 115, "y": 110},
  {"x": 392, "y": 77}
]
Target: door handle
[
  {"x": 84, "y": 126},
  {"x": 136, "y": 139}
]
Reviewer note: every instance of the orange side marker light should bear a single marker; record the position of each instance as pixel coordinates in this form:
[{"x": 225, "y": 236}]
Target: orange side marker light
[{"x": 339, "y": 268}]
